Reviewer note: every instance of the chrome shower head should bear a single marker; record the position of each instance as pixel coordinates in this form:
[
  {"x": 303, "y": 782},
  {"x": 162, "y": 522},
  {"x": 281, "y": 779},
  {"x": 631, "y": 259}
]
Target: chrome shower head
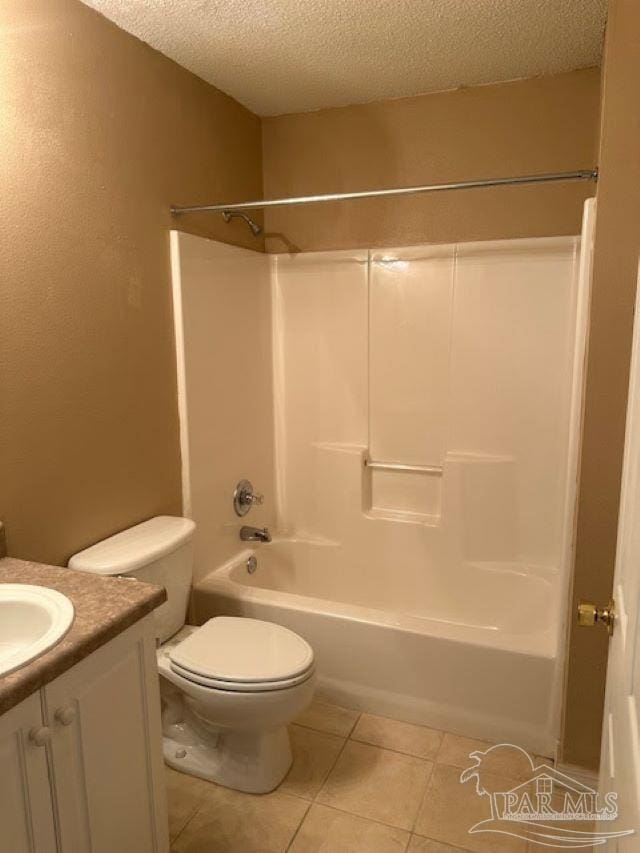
[{"x": 256, "y": 229}]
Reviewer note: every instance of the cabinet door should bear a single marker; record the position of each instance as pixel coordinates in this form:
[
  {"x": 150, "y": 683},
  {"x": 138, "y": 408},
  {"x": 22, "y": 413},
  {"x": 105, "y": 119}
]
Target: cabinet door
[
  {"x": 106, "y": 744},
  {"x": 26, "y": 814}
]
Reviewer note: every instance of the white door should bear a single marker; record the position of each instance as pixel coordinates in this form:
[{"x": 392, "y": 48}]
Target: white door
[
  {"x": 108, "y": 782},
  {"x": 620, "y": 757},
  {"x": 26, "y": 816}
]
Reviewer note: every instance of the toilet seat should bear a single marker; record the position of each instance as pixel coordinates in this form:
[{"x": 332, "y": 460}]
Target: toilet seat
[
  {"x": 241, "y": 687},
  {"x": 239, "y": 654}
]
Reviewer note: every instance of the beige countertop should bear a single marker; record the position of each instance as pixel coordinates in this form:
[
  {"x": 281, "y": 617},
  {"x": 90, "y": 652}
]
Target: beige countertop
[{"x": 104, "y": 607}]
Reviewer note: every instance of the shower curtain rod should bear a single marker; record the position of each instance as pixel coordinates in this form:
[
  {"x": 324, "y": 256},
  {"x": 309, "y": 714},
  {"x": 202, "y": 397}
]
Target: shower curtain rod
[{"x": 579, "y": 175}]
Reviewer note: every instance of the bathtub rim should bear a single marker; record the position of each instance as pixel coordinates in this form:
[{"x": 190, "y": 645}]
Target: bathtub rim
[{"x": 539, "y": 644}]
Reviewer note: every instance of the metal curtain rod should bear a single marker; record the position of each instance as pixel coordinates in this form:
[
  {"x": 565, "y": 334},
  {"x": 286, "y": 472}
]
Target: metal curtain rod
[{"x": 580, "y": 175}]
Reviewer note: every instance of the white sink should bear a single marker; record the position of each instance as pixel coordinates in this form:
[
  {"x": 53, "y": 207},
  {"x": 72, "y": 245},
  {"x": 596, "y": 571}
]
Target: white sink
[{"x": 32, "y": 620}]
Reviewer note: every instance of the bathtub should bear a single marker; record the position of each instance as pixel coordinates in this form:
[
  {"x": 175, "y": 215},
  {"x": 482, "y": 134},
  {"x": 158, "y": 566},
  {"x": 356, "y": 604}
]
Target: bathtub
[{"x": 482, "y": 663}]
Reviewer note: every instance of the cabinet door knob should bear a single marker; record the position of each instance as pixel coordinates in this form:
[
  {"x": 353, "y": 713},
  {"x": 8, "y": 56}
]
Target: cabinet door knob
[
  {"x": 65, "y": 715},
  {"x": 40, "y": 735}
]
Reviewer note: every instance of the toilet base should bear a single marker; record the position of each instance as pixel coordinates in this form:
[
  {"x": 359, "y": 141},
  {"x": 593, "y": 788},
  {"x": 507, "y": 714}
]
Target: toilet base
[{"x": 253, "y": 762}]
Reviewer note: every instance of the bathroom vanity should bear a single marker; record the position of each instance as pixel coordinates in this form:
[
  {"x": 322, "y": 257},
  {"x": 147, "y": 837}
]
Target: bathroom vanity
[{"x": 80, "y": 739}]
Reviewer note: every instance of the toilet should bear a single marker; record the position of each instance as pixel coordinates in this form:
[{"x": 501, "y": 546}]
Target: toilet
[{"x": 229, "y": 687}]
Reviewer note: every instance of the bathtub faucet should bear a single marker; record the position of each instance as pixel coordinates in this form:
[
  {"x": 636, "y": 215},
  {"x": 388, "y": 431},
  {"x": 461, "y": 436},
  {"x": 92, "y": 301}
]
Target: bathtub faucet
[{"x": 255, "y": 534}]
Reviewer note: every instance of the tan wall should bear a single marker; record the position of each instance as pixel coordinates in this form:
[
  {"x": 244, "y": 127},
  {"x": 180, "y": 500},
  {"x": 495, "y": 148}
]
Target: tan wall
[
  {"x": 542, "y": 125},
  {"x": 99, "y": 135},
  {"x": 617, "y": 244}
]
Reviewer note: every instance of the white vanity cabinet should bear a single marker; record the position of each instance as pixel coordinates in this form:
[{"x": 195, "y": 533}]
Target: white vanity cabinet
[
  {"x": 26, "y": 808},
  {"x": 82, "y": 760}
]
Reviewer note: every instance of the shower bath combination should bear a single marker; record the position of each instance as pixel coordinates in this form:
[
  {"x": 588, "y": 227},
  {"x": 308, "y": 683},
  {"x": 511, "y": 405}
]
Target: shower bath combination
[{"x": 416, "y": 433}]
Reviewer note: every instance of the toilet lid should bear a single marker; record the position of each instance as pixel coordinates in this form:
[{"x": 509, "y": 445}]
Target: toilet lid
[
  {"x": 233, "y": 649},
  {"x": 241, "y": 686}
]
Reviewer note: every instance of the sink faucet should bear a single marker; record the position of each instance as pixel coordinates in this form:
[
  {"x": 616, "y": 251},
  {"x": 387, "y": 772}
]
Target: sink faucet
[{"x": 255, "y": 534}]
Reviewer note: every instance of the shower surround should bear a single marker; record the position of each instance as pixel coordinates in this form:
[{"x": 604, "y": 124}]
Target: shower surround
[{"x": 434, "y": 592}]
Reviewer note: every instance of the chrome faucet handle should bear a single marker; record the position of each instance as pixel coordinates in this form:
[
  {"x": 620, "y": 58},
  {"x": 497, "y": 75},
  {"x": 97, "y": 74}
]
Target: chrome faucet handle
[{"x": 244, "y": 498}]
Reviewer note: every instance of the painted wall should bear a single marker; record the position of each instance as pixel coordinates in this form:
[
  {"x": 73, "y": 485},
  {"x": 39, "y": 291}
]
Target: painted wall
[
  {"x": 616, "y": 250},
  {"x": 224, "y": 319},
  {"x": 99, "y": 135},
  {"x": 547, "y": 124}
]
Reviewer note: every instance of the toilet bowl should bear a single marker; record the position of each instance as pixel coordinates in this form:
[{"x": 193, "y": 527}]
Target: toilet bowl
[
  {"x": 229, "y": 687},
  {"x": 227, "y": 723}
]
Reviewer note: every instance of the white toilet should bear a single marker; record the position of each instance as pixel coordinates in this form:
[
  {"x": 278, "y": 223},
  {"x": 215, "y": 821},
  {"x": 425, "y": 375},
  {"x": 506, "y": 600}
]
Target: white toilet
[{"x": 230, "y": 687}]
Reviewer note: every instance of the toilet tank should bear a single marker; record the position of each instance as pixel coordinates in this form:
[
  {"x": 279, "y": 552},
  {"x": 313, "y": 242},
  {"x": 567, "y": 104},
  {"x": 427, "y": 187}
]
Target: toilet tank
[{"x": 158, "y": 551}]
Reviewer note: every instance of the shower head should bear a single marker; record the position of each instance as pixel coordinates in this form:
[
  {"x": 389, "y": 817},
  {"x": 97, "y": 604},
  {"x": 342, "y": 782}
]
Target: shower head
[{"x": 256, "y": 229}]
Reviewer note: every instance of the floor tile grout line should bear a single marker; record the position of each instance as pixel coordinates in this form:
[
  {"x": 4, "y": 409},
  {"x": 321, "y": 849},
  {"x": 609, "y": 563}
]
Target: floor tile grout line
[
  {"x": 391, "y": 749},
  {"x": 330, "y": 770},
  {"x": 435, "y": 759},
  {"x": 414, "y": 725},
  {"x": 354, "y": 814},
  {"x": 505, "y": 776},
  {"x": 454, "y": 847},
  {"x": 324, "y": 731},
  {"x": 362, "y": 817},
  {"x": 396, "y": 751},
  {"x": 310, "y": 802},
  {"x": 410, "y": 832},
  {"x": 290, "y": 794},
  {"x": 299, "y": 826},
  {"x": 172, "y": 841},
  {"x": 423, "y": 795},
  {"x": 317, "y": 731},
  {"x": 314, "y": 801},
  {"x": 355, "y": 723}
]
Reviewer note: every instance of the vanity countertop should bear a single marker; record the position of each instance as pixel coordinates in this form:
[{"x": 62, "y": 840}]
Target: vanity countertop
[{"x": 104, "y": 607}]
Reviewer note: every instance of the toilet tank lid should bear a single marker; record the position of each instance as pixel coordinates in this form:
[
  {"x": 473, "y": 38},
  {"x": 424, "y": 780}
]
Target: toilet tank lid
[{"x": 138, "y": 546}]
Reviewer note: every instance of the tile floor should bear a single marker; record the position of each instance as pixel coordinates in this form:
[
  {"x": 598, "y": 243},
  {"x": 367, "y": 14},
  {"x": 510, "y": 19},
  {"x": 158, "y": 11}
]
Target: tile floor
[{"x": 358, "y": 783}]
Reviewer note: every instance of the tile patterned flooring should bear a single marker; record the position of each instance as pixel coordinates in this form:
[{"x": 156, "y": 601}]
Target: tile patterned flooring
[{"x": 358, "y": 783}]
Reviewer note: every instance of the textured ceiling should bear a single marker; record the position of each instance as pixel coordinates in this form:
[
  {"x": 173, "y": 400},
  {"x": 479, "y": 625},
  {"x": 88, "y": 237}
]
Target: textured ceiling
[{"x": 279, "y": 56}]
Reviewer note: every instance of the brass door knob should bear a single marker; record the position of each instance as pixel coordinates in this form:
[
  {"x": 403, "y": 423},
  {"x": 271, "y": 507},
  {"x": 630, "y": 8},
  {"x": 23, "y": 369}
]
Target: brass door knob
[{"x": 589, "y": 614}]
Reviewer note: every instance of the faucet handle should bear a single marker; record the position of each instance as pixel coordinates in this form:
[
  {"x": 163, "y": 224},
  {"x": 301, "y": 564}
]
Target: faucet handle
[{"x": 244, "y": 498}]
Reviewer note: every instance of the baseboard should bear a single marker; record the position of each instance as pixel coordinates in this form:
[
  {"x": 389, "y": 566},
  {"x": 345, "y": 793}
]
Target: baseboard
[{"x": 580, "y": 774}]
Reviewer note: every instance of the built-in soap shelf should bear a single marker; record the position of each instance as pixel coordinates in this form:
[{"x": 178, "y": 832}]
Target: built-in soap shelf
[
  {"x": 435, "y": 470},
  {"x": 478, "y": 494},
  {"x": 403, "y": 517},
  {"x": 402, "y": 492}
]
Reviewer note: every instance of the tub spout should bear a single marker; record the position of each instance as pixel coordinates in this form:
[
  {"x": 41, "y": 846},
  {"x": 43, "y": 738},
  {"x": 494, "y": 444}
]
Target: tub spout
[{"x": 255, "y": 534}]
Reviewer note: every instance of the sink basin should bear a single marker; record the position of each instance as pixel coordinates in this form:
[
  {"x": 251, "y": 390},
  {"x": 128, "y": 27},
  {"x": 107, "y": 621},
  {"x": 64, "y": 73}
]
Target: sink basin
[{"x": 32, "y": 620}]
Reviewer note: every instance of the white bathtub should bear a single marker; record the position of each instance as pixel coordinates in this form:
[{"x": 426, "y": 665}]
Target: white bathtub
[{"x": 470, "y": 649}]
